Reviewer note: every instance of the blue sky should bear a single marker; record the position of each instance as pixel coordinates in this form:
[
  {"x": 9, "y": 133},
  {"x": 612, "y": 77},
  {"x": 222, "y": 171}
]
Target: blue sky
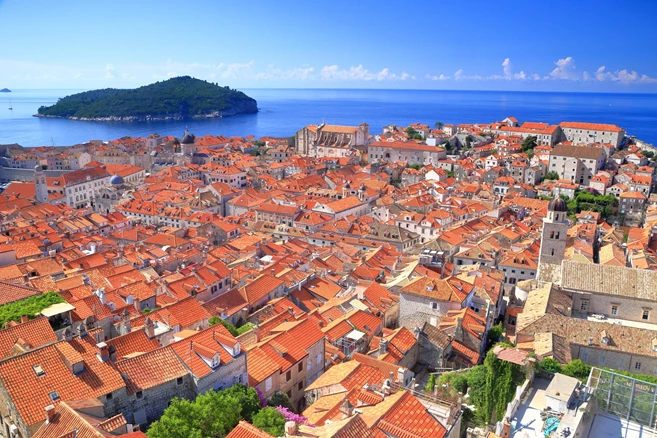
[{"x": 491, "y": 45}]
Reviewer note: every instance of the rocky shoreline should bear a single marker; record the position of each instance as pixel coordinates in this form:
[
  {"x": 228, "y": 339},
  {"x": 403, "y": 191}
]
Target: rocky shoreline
[{"x": 148, "y": 118}]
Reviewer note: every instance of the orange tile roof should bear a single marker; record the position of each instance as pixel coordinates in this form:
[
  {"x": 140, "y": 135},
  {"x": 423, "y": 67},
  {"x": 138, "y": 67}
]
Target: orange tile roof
[
  {"x": 591, "y": 126},
  {"x": 30, "y": 392},
  {"x": 131, "y": 343},
  {"x": 151, "y": 369},
  {"x": 10, "y": 292},
  {"x": 32, "y": 334},
  {"x": 247, "y": 430}
]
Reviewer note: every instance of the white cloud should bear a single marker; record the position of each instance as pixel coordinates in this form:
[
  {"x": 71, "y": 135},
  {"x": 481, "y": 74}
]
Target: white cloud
[
  {"x": 236, "y": 70},
  {"x": 360, "y": 73},
  {"x": 110, "y": 73},
  {"x": 458, "y": 74},
  {"x": 565, "y": 69},
  {"x": 441, "y": 77},
  {"x": 521, "y": 76},
  {"x": 506, "y": 66}
]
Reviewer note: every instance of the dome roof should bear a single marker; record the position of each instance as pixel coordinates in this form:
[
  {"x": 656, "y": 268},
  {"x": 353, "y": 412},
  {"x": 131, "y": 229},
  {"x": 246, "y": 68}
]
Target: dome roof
[
  {"x": 116, "y": 179},
  {"x": 557, "y": 204},
  {"x": 187, "y": 138}
]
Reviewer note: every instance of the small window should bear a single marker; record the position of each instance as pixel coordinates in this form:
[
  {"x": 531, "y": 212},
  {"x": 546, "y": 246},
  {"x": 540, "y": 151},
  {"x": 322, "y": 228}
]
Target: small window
[
  {"x": 300, "y": 366},
  {"x": 288, "y": 376},
  {"x": 434, "y": 305},
  {"x": 300, "y": 386},
  {"x": 289, "y": 394},
  {"x": 602, "y": 360},
  {"x": 179, "y": 381},
  {"x": 614, "y": 310},
  {"x": 585, "y": 357},
  {"x": 268, "y": 384},
  {"x": 139, "y": 394},
  {"x": 108, "y": 396},
  {"x": 54, "y": 396},
  {"x": 637, "y": 366},
  {"x": 646, "y": 315}
]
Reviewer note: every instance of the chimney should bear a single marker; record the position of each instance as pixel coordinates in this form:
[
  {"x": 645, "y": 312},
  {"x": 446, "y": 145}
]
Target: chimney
[
  {"x": 103, "y": 352},
  {"x": 401, "y": 376},
  {"x": 50, "y": 413},
  {"x": 24, "y": 318},
  {"x": 290, "y": 428},
  {"x": 149, "y": 328},
  {"x": 506, "y": 431},
  {"x": 136, "y": 303},
  {"x": 321, "y": 324},
  {"x": 82, "y": 331},
  {"x": 383, "y": 346},
  {"x": 67, "y": 334},
  {"x": 273, "y": 273},
  {"x": 347, "y": 409}
]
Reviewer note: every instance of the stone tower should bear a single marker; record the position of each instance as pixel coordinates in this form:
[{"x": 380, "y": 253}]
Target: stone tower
[
  {"x": 40, "y": 185},
  {"x": 554, "y": 235},
  {"x": 187, "y": 144}
]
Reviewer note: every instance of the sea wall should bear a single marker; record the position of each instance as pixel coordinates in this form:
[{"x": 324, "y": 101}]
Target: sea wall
[{"x": 9, "y": 174}]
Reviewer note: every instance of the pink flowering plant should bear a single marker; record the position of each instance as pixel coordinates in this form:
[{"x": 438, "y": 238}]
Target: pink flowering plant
[{"x": 291, "y": 416}]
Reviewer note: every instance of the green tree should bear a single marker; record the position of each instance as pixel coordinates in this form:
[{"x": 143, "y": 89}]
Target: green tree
[
  {"x": 280, "y": 399},
  {"x": 577, "y": 369},
  {"x": 529, "y": 153},
  {"x": 271, "y": 421},
  {"x": 410, "y": 131},
  {"x": 213, "y": 414},
  {"x": 247, "y": 398},
  {"x": 550, "y": 364},
  {"x": 439, "y": 125},
  {"x": 528, "y": 143},
  {"x": 230, "y": 327},
  {"x": 30, "y": 306},
  {"x": 456, "y": 380},
  {"x": 499, "y": 387},
  {"x": 468, "y": 142},
  {"x": 552, "y": 175},
  {"x": 431, "y": 383},
  {"x": 495, "y": 334}
]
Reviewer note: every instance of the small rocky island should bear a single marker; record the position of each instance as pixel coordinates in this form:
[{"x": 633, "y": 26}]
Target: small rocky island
[
  {"x": 5, "y": 90},
  {"x": 174, "y": 99}
]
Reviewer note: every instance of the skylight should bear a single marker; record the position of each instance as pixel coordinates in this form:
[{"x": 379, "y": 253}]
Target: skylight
[{"x": 38, "y": 370}]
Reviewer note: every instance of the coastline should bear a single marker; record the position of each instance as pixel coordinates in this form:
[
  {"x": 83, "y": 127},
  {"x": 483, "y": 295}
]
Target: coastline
[{"x": 149, "y": 118}]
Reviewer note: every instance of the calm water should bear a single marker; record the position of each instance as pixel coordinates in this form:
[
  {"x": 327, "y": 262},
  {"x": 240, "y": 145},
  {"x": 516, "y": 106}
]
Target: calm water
[{"x": 284, "y": 111}]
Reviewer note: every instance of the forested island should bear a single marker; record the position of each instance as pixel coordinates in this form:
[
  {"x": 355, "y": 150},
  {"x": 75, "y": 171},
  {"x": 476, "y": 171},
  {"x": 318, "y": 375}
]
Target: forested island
[
  {"x": 177, "y": 98},
  {"x": 5, "y": 90}
]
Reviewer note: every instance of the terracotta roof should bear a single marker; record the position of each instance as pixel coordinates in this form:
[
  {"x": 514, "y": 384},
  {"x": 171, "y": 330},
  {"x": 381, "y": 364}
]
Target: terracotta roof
[
  {"x": 151, "y": 369},
  {"x": 32, "y": 334},
  {"x": 247, "y": 430},
  {"x": 10, "y": 292},
  {"x": 591, "y": 126}
]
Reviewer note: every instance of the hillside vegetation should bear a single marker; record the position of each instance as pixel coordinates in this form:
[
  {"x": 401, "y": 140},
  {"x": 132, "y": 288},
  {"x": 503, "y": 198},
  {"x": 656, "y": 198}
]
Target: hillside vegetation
[{"x": 175, "y": 98}]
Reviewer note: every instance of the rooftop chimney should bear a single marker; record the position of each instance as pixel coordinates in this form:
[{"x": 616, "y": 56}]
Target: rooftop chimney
[
  {"x": 290, "y": 428},
  {"x": 347, "y": 409},
  {"x": 24, "y": 318},
  {"x": 383, "y": 346},
  {"x": 149, "y": 328},
  {"x": 50, "y": 413},
  {"x": 103, "y": 351}
]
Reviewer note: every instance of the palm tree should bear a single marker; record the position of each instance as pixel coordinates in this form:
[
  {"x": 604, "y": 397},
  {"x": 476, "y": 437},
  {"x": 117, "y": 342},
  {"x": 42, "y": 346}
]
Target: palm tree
[{"x": 439, "y": 125}]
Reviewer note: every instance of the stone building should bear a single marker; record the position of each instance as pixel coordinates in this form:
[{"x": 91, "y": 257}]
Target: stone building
[
  {"x": 576, "y": 163},
  {"x": 408, "y": 152},
  {"x": 579, "y": 132},
  {"x": 331, "y": 140}
]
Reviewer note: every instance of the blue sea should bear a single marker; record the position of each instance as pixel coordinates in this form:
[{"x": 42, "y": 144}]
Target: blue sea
[{"x": 284, "y": 111}]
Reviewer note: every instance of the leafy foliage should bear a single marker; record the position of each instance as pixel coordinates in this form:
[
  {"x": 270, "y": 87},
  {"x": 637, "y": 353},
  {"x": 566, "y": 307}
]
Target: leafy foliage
[
  {"x": 457, "y": 381},
  {"x": 500, "y": 388},
  {"x": 528, "y": 144},
  {"x": 577, "y": 369},
  {"x": 552, "y": 175},
  {"x": 280, "y": 399},
  {"x": 416, "y": 166},
  {"x": 29, "y": 306},
  {"x": 235, "y": 331},
  {"x": 213, "y": 414},
  {"x": 182, "y": 96},
  {"x": 247, "y": 398},
  {"x": 495, "y": 334},
  {"x": 431, "y": 383},
  {"x": 550, "y": 364},
  {"x": 270, "y": 420}
]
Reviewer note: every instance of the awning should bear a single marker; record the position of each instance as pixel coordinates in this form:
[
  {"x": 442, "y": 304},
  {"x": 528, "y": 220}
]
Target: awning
[{"x": 57, "y": 309}]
